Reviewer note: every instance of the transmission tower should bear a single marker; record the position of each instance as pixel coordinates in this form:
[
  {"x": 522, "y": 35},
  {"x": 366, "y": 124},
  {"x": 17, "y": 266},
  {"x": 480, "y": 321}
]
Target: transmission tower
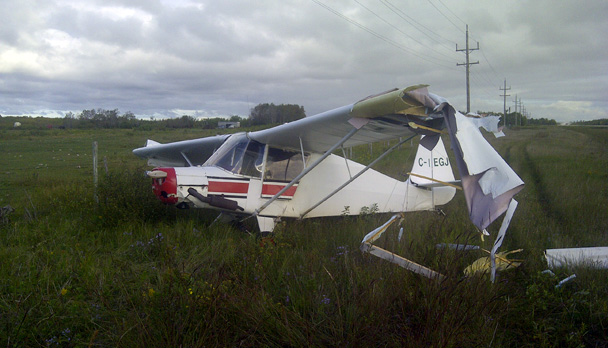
[{"x": 467, "y": 64}]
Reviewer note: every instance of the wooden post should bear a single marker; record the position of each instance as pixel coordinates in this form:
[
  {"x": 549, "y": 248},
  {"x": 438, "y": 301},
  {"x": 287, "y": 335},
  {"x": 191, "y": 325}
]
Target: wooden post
[{"x": 95, "y": 175}]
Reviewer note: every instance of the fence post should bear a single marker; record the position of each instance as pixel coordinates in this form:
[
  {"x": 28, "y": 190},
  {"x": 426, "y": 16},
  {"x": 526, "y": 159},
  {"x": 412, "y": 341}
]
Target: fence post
[{"x": 95, "y": 175}]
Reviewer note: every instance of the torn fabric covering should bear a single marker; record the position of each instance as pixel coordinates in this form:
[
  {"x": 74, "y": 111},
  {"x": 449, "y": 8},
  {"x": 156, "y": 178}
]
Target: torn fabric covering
[
  {"x": 488, "y": 181},
  {"x": 489, "y": 123}
]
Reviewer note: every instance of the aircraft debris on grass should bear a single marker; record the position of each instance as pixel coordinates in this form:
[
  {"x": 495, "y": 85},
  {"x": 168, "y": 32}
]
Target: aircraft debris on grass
[{"x": 291, "y": 171}]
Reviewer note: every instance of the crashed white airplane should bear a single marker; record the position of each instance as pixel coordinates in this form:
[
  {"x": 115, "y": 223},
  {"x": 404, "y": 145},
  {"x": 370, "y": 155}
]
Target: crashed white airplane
[{"x": 291, "y": 171}]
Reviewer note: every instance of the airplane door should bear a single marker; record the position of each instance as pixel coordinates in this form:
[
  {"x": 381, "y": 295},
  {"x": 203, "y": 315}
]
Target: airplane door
[{"x": 281, "y": 167}]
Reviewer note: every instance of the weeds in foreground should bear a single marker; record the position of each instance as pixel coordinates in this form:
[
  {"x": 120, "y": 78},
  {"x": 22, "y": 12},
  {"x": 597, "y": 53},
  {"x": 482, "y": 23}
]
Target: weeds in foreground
[{"x": 131, "y": 272}]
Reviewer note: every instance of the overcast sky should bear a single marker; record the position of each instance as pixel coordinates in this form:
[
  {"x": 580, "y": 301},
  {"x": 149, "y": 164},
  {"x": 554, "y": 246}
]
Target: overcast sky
[{"x": 167, "y": 58}]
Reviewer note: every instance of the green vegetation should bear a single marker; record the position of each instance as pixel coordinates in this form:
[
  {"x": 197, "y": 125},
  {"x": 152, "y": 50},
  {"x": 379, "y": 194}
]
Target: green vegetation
[
  {"x": 515, "y": 119},
  {"x": 276, "y": 114},
  {"x": 131, "y": 272},
  {"x": 600, "y": 122},
  {"x": 261, "y": 115}
]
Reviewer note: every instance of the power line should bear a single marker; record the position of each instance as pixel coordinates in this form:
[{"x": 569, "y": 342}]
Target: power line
[
  {"x": 444, "y": 5},
  {"x": 401, "y": 31},
  {"x": 484, "y": 78},
  {"x": 487, "y": 61},
  {"x": 417, "y": 25},
  {"x": 481, "y": 86},
  {"x": 446, "y": 17},
  {"x": 381, "y": 37}
]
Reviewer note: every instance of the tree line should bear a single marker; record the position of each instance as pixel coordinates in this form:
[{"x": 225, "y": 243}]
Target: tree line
[
  {"x": 262, "y": 114},
  {"x": 517, "y": 119},
  {"x": 276, "y": 114},
  {"x": 600, "y": 122}
]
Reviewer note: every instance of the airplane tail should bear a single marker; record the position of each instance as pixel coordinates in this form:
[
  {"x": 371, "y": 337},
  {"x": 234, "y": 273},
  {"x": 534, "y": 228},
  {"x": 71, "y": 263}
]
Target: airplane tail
[{"x": 431, "y": 181}]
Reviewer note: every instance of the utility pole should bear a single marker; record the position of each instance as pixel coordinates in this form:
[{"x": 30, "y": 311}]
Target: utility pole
[
  {"x": 519, "y": 104},
  {"x": 505, "y": 95},
  {"x": 521, "y": 107},
  {"x": 467, "y": 64},
  {"x": 515, "y": 114}
]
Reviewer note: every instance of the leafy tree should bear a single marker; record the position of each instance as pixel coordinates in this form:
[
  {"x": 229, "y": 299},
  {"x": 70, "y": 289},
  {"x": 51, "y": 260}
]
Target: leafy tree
[
  {"x": 183, "y": 122},
  {"x": 101, "y": 118},
  {"x": 69, "y": 119},
  {"x": 273, "y": 114}
]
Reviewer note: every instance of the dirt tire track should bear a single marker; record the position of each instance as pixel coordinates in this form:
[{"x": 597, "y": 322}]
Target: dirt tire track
[{"x": 544, "y": 199}]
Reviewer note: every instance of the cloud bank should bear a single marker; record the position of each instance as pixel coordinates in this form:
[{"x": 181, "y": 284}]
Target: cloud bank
[{"x": 208, "y": 58}]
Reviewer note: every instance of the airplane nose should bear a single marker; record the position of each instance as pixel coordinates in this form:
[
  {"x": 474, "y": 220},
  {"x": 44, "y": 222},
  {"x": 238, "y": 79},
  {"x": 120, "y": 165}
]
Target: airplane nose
[{"x": 164, "y": 184}]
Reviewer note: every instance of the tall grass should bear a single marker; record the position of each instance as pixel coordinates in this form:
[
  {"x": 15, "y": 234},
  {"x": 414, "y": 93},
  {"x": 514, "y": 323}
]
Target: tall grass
[{"x": 128, "y": 271}]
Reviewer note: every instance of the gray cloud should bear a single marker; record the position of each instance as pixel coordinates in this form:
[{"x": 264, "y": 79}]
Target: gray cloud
[{"x": 214, "y": 58}]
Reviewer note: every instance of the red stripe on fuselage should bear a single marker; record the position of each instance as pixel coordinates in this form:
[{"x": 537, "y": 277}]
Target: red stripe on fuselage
[
  {"x": 228, "y": 187},
  {"x": 271, "y": 190}
]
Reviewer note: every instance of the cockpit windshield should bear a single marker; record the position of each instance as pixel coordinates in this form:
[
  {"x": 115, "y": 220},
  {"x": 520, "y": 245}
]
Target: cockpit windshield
[{"x": 239, "y": 155}]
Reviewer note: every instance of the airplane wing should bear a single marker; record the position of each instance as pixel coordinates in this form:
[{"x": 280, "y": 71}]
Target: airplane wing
[
  {"x": 488, "y": 181},
  {"x": 181, "y": 153},
  {"x": 386, "y": 116}
]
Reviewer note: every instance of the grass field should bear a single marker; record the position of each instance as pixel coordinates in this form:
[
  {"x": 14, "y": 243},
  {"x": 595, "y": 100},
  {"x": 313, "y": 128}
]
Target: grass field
[{"x": 130, "y": 272}]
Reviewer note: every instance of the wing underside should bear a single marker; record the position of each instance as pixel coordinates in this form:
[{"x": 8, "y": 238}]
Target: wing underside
[
  {"x": 182, "y": 153},
  {"x": 381, "y": 117},
  {"x": 385, "y": 116}
]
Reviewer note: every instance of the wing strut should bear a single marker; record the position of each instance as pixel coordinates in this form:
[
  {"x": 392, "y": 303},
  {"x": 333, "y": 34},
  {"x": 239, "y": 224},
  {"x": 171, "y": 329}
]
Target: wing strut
[
  {"x": 307, "y": 169},
  {"x": 356, "y": 175},
  {"x": 186, "y": 158}
]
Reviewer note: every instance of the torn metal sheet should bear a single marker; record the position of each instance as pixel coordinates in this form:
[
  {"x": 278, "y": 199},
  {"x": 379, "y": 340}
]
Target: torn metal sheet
[
  {"x": 488, "y": 182},
  {"x": 377, "y": 233},
  {"x": 501, "y": 236},
  {"x": 596, "y": 257},
  {"x": 489, "y": 123}
]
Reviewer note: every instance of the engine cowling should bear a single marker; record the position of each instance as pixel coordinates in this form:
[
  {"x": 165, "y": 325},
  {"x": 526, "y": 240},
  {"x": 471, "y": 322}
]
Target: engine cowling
[{"x": 164, "y": 184}]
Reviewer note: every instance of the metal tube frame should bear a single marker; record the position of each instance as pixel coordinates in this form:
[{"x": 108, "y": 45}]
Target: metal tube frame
[
  {"x": 356, "y": 175},
  {"x": 306, "y": 171}
]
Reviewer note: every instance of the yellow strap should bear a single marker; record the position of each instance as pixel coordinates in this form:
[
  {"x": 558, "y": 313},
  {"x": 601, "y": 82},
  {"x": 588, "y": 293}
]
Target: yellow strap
[
  {"x": 415, "y": 125},
  {"x": 504, "y": 259},
  {"x": 439, "y": 181}
]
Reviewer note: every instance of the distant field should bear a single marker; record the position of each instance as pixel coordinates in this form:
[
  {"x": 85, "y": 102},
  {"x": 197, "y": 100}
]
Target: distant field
[{"x": 130, "y": 272}]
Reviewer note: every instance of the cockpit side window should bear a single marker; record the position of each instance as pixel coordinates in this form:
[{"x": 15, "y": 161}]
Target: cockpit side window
[
  {"x": 253, "y": 159},
  {"x": 239, "y": 155},
  {"x": 283, "y": 165}
]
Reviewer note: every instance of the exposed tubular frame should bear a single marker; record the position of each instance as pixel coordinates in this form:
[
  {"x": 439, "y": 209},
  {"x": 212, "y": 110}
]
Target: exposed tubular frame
[
  {"x": 306, "y": 171},
  {"x": 356, "y": 175}
]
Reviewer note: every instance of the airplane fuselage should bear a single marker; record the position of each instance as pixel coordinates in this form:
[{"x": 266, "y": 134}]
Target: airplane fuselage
[{"x": 370, "y": 191}]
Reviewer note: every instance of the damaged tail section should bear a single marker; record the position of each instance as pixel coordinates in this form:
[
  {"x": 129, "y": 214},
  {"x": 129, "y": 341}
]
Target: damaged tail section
[
  {"x": 488, "y": 182},
  {"x": 431, "y": 181}
]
